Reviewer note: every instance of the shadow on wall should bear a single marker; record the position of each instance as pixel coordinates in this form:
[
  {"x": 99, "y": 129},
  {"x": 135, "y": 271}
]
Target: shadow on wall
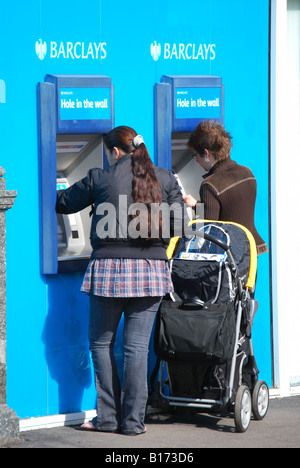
[{"x": 65, "y": 336}]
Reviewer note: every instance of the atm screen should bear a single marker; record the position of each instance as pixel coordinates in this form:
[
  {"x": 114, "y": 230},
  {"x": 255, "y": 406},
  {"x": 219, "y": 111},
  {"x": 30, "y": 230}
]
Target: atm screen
[
  {"x": 75, "y": 156},
  {"x": 188, "y": 171}
]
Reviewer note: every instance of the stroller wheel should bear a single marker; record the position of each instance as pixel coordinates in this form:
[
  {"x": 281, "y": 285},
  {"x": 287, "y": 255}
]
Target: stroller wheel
[
  {"x": 260, "y": 400},
  {"x": 242, "y": 409}
]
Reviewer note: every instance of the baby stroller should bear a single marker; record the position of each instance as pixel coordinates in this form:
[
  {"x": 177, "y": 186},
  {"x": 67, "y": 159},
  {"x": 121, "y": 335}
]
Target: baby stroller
[{"x": 203, "y": 330}]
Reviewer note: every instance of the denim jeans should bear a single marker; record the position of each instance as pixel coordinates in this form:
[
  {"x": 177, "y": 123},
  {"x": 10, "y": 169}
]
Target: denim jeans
[{"x": 121, "y": 408}]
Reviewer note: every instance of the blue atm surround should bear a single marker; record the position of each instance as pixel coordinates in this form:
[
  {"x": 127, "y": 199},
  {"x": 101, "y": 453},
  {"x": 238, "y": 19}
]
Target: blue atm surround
[
  {"x": 181, "y": 102},
  {"x": 66, "y": 106}
]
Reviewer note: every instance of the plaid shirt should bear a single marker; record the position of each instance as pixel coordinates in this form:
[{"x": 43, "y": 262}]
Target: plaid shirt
[{"x": 123, "y": 277}]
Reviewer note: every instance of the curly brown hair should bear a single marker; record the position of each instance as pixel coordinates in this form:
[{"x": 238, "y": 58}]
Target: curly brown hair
[{"x": 212, "y": 136}]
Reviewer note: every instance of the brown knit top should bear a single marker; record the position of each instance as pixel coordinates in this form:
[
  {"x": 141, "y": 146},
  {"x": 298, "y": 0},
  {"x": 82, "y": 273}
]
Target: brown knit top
[{"x": 229, "y": 194}]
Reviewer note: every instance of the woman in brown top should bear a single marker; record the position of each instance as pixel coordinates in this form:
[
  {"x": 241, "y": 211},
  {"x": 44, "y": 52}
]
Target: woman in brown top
[{"x": 228, "y": 190}]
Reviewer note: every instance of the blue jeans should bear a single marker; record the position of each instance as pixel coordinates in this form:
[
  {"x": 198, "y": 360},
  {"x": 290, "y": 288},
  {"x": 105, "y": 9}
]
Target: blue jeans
[{"x": 121, "y": 409}]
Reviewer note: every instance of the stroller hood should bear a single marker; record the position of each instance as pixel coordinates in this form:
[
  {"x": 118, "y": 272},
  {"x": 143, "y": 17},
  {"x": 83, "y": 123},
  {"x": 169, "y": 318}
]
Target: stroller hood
[{"x": 239, "y": 239}]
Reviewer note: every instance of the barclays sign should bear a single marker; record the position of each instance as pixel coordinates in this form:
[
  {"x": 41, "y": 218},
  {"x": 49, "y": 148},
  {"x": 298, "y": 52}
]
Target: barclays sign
[
  {"x": 71, "y": 50},
  {"x": 169, "y": 51}
]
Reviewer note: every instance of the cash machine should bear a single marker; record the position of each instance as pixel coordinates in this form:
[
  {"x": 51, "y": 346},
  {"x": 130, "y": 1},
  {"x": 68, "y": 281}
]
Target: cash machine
[
  {"x": 74, "y": 114},
  {"x": 181, "y": 102}
]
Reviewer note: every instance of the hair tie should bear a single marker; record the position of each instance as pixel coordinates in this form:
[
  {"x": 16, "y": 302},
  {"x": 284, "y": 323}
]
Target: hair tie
[{"x": 138, "y": 139}]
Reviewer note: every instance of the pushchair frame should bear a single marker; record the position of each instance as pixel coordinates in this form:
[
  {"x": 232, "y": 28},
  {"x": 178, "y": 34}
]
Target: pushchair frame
[{"x": 251, "y": 395}]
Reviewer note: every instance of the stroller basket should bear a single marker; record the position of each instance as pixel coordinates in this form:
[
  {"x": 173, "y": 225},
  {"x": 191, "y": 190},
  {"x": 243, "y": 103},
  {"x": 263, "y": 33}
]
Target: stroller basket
[{"x": 195, "y": 333}]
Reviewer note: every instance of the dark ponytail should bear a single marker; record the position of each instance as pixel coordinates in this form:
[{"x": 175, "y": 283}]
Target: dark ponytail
[{"x": 145, "y": 186}]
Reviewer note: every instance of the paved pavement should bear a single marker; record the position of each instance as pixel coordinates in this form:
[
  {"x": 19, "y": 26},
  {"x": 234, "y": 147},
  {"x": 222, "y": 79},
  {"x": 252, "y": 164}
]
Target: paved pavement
[{"x": 182, "y": 433}]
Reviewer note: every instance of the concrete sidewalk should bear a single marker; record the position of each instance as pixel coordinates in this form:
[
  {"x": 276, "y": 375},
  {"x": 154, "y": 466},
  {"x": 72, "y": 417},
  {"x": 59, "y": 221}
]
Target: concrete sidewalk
[{"x": 279, "y": 429}]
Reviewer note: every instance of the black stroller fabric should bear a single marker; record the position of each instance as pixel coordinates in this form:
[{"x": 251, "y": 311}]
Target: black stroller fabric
[
  {"x": 204, "y": 281},
  {"x": 191, "y": 334}
]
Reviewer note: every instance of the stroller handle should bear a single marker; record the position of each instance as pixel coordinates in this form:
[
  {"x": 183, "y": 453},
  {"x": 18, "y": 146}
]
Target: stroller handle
[{"x": 208, "y": 237}]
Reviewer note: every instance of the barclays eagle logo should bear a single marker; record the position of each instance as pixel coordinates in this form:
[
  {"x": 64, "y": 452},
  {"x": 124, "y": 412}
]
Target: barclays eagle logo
[
  {"x": 40, "y": 49},
  {"x": 155, "y": 50}
]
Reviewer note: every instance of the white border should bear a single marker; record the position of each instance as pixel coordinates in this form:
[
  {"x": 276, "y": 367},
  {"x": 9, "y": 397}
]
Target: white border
[
  {"x": 279, "y": 393},
  {"x": 57, "y": 420},
  {"x": 284, "y": 286}
]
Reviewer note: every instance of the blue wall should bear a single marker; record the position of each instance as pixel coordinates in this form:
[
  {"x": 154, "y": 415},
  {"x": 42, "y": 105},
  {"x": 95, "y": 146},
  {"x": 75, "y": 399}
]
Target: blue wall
[{"x": 49, "y": 369}]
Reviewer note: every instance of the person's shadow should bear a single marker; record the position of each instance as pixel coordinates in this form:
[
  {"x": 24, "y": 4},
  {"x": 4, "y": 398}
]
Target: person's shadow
[
  {"x": 71, "y": 386},
  {"x": 65, "y": 336}
]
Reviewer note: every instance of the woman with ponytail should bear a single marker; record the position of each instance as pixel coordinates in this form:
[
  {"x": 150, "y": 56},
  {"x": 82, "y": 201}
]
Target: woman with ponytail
[{"x": 128, "y": 271}]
